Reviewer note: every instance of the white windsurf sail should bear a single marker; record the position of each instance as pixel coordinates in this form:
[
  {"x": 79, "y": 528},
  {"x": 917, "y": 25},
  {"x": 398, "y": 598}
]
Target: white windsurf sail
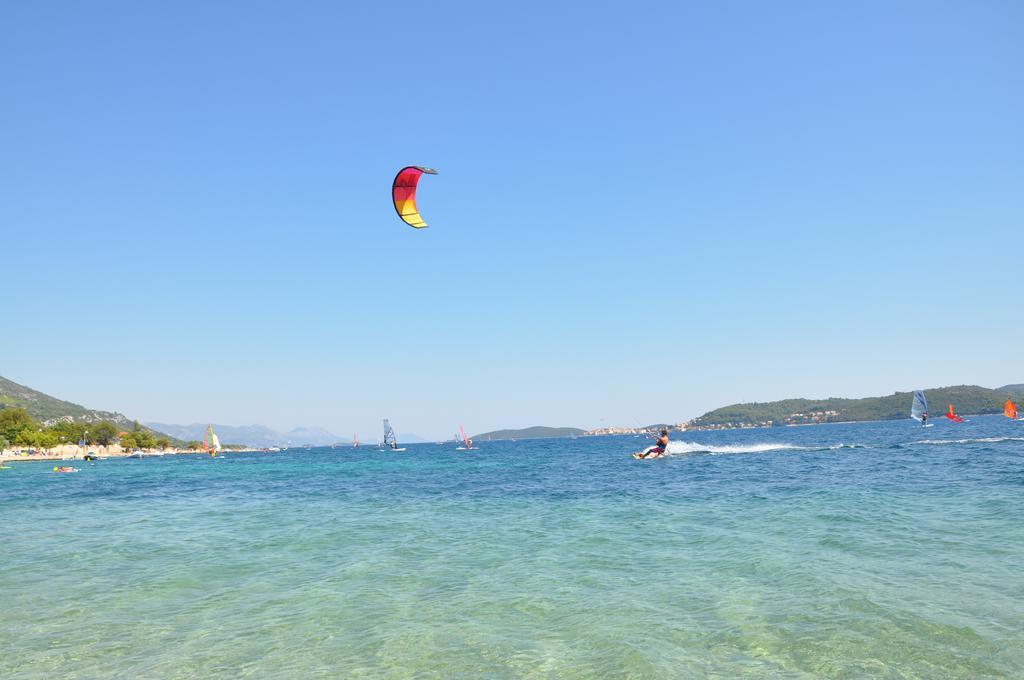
[
  {"x": 919, "y": 407},
  {"x": 389, "y": 436}
]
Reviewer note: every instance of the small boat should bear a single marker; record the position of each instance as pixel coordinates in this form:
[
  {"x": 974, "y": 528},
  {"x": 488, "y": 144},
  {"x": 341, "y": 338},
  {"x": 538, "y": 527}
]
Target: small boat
[{"x": 64, "y": 468}]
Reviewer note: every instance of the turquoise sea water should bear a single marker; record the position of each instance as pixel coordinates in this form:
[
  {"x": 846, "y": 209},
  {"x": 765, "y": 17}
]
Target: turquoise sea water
[{"x": 862, "y": 550}]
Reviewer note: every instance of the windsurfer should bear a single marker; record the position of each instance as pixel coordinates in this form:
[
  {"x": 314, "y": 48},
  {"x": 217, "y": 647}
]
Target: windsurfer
[{"x": 924, "y": 419}]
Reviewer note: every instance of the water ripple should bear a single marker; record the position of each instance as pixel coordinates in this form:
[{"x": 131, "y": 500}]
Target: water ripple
[{"x": 835, "y": 551}]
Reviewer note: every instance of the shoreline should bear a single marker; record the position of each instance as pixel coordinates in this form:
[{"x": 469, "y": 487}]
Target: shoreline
[{"x": 74, "y": 452}]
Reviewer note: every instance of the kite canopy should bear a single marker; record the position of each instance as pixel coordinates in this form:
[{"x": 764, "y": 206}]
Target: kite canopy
[{"x": 403, "y": 192}]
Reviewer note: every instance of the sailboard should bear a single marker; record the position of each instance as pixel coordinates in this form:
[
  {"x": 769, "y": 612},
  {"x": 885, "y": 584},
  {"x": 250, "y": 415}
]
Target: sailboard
[
  {"x": 1010, "y": 409},
  {"x": 467, "y": 443},
  {"x": 951, "y": 414},
  {"x": 390, "y": 441},
  {"x": 919, "y": 407},
  {"x": 211, "y": 442}
]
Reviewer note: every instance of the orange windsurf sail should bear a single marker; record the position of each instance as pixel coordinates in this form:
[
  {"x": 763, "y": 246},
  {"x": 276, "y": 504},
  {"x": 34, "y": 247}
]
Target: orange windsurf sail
[
  {"x": 951, "y": 414},
  {"x": 1010, "y": 409}
]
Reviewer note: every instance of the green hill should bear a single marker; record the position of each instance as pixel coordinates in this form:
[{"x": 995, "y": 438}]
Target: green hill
[
  {"x": 1016, "y": 391},
  {"x": 968, "y": 399},
  {"x": 50, "y": 410},
  {"x": 536, "y": 432}
]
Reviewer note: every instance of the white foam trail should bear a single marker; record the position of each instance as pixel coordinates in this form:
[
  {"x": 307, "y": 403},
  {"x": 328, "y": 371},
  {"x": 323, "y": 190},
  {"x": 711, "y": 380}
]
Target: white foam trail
[
  {"x": 681, "y": 448},
  {"x": 693, "y": 447},
  {"x": 980, "y": 440}
]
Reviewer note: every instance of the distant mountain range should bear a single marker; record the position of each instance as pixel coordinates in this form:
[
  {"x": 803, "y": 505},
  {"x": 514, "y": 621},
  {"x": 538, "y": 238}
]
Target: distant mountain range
[
  {"x": 968, "y": 399},
  {"x": 252, "y": 435},
  {"x": 536, "y": 432}
]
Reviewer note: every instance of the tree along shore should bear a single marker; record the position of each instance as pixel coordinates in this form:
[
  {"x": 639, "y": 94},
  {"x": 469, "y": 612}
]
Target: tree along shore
[{"x": 19, "y": 432}]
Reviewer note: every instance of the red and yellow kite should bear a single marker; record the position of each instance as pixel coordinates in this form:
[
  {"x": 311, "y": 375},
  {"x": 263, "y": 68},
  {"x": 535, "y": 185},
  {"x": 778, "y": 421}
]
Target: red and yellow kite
[{"x": 403, "y": 192}]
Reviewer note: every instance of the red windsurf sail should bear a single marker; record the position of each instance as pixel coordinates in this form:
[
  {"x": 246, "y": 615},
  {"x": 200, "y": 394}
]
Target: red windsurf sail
[
  {"x": 1010, "y": 409},
  {"x": 953, "y": 416}
]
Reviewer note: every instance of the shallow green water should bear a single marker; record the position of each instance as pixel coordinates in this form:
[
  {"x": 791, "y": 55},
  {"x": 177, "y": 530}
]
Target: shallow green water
[{"x": 834, "y": 551}]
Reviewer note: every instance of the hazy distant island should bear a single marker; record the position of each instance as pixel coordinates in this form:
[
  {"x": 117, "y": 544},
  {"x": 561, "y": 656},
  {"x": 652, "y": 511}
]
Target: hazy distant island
[
  {"x": 259, "y": 436},
  {"x": 968, "y": 399},
  {"x": 535, "y": 432}
]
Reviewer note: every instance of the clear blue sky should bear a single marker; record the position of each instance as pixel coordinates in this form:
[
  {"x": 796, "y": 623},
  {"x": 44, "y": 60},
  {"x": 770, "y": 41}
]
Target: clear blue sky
[{"x": 644, "y": 210}]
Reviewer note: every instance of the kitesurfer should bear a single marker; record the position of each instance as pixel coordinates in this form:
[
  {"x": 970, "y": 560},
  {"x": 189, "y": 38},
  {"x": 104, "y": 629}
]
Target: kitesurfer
[{"x": 659, "y": 447}]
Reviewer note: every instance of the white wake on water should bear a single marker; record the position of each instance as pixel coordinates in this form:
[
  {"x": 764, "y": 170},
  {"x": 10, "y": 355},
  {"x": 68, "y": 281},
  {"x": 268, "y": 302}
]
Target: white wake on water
[
  {"x": 979, "y": 440},
  {"x": 679, "y": 448}
]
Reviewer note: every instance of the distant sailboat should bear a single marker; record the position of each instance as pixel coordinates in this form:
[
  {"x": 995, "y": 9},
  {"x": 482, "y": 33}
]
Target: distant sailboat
[
  {"x": 1010, "y": 409},
  {"x": 211, "y": 442},
  {"x": 467, "y": 443},
  {"x": 390, "y": 441},
  {"x": 355, "y": 441},
  {"x": 951, "y": 414},
  {"x": 919, "y": 408}
]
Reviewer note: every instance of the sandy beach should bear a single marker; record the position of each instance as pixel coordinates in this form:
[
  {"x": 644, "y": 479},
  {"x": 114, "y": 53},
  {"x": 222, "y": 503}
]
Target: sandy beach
[{"x": 74, "y": 452}]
